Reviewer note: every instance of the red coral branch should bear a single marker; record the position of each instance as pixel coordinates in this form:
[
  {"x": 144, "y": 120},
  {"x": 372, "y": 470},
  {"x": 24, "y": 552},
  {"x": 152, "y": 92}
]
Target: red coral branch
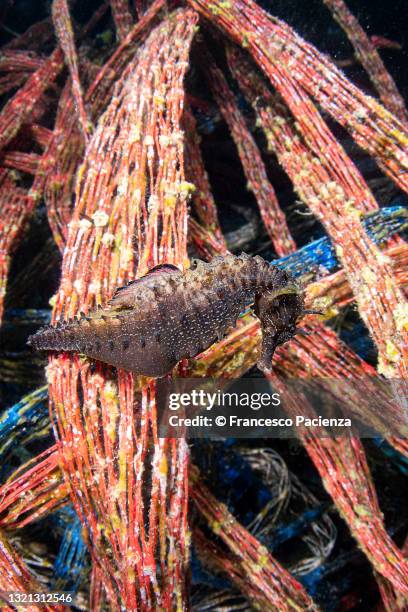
[
  {"x": 326, "y": 189},
  {"x": 122, "y": 192},
  {"x": 122, "y": 17},
  {"x": 370, "y": 59},
  {"x": 19, "y": 108},
  {"x": 258, "y": 575},
  {"x": 202, "y": 199},
  {"x": 295, "y": 67},
  {"x": 15, "y": 577},
  {"x": 253, "y": 165},
  {"x": 65, "y": 34},
  {"x": 13, "y": 214}
]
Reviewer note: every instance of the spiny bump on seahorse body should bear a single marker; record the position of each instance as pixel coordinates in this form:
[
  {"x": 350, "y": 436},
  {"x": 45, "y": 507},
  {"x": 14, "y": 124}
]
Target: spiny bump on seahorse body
[{"x": 167, "y": 315}]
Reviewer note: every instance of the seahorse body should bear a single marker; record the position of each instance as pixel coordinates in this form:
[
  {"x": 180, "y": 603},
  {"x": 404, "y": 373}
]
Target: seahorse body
[{"x": 169, "y": 315}]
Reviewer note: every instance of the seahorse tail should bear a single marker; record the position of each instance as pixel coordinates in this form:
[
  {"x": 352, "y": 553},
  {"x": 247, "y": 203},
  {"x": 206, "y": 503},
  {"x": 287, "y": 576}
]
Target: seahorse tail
[{"x": 52, "y": 339}]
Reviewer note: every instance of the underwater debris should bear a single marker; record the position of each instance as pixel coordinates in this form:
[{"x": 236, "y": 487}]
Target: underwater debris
[{"x": 97, "y": 129}]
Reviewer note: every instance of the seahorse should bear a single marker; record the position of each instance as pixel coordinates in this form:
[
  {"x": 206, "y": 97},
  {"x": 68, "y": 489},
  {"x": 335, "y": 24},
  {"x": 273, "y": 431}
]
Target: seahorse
[{"x": 168, "y": 315}]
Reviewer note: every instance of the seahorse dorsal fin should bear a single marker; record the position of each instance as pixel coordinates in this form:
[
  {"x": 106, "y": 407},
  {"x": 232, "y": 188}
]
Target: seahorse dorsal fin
[
  {"x": 124, "y": 297},
  {"x": 161, "y": 268}
]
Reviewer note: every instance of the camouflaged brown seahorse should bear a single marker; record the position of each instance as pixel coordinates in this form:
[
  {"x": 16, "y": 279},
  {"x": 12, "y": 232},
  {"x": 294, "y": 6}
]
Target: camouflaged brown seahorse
[{"x": 168, "y": 315}]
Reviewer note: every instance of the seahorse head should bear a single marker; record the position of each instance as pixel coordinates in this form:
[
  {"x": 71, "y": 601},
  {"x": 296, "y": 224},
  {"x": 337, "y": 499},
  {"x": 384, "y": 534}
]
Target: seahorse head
[{"x": 279, "y": 312}]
